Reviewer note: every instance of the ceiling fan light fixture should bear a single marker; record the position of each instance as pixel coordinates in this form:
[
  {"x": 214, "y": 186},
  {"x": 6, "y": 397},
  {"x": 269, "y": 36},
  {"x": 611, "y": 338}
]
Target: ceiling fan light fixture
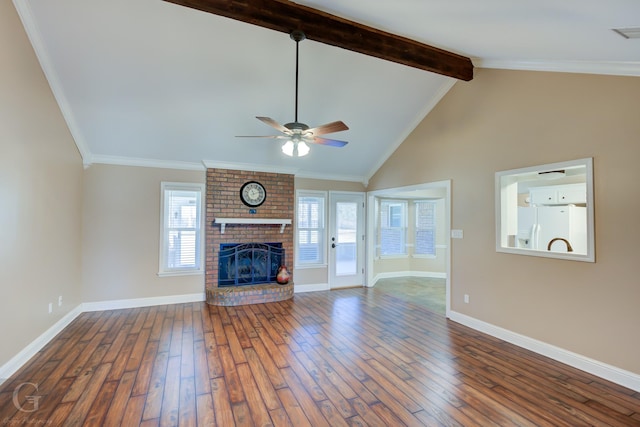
[
  {"x": 294, "y": 148},
  {"x": 287, "y": 148},
  {"x": 303, "y": 149}
]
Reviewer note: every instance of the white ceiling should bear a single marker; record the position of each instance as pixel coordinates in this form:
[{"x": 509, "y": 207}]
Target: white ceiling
[{"x": 151, "y": 83}]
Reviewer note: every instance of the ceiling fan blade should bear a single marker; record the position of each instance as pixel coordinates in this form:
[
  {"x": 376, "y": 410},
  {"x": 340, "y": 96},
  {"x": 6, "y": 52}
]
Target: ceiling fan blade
[
  {"x": 330, "y": 142},
  {"x": 328, "y": 128},
  {"x": 274, "y": 124}
]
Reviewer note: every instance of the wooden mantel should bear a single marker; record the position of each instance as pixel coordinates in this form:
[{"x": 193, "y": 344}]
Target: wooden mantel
[{"x": 282, "y": 222}]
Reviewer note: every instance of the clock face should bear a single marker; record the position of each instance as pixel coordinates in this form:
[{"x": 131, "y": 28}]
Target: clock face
[{"x": 253, "y": 194}]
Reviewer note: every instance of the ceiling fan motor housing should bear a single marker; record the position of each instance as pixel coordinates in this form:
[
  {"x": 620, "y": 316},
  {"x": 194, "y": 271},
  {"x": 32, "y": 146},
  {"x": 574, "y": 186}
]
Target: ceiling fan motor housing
[{"x": 296, "y": 126}]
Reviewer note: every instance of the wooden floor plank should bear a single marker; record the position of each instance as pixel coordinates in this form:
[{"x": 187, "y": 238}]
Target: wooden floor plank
[
  {"x": 132, "y": 414},
  {"x": 257, "y": 407},
  {"x": 204, "y": 408},
  {"x": 120, "y": 399},
  {"x": 348, "y": 357},
  {"x": 83, "y": 404},
  {"x": 263, "y": 381},
  {"x": 201, "y": 368},
  {"x": 293, "y": 409},
  {"x": 153, "y": 401},
  {"x": 143, "y": 376},
  {"x": 222, "y": 403},
  {"x": 188, "y": 405},
  {"x": 169, "y": 413},
  {"x": 100, "y": 406}
]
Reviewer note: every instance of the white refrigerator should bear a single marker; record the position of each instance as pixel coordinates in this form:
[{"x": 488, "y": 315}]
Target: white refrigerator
[{"x": 538, "y": 226}]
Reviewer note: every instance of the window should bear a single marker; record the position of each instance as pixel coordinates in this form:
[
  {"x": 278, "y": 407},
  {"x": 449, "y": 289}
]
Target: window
[
  {"x": 393, "y": 227},
  {"x": 425, "y": 232},
  {"x": 181, "y": 236},
  {"x": 310, "y": 239}
]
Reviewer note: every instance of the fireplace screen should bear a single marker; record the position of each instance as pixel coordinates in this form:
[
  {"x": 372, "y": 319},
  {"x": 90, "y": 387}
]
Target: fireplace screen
[{"x": 249, "y": 263}]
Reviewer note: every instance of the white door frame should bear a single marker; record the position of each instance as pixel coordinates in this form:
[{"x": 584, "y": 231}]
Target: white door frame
[
  {"x": 360, "y": 237},
  {"x": 370, "y": 279}
]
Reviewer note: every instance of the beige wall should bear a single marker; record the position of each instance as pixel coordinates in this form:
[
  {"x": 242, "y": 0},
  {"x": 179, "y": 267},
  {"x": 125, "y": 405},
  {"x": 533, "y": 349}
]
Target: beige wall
[
  {"x": 40, "y": 196},
  {"x": 121, "y": 234},
  {"x": 509, "y": 119}
]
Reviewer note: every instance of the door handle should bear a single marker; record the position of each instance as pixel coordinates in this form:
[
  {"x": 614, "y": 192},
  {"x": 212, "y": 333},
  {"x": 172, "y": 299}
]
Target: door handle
[{"x": 333, "y": 245}]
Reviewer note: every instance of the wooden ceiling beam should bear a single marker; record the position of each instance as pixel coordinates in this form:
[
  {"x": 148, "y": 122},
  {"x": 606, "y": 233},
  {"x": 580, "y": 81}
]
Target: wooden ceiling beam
[{"x": 286, "y": 16}]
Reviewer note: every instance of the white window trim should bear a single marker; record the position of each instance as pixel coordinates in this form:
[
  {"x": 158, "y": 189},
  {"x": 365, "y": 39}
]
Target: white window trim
[
  {"x": 184, "y": 186},
  {"x": 323, "y": 249}
]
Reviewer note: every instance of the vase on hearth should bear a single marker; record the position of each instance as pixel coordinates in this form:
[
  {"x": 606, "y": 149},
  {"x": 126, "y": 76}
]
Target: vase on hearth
[{"x": 283, "y": 275}]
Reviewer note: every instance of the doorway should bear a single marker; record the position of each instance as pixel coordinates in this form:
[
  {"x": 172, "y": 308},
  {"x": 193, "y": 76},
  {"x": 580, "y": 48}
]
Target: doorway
[
  {"x": 346, "y": 239},
  {"x": 379, "y": 264}
]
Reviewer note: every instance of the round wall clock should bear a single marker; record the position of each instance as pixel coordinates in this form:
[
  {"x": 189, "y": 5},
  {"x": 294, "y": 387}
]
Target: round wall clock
[{"x": 253, "y": 194}]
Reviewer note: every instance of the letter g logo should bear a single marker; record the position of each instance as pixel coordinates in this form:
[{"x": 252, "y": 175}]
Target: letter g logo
[{"x": 32, "y": 401}]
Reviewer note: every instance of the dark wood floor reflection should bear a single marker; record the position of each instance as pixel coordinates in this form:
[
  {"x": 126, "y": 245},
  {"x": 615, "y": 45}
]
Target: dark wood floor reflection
[{"x": 349, "y": 357}]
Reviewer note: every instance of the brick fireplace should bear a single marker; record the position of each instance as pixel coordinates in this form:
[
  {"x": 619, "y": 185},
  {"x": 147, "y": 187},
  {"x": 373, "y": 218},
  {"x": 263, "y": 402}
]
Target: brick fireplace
[{"x": 223, "y": 201}]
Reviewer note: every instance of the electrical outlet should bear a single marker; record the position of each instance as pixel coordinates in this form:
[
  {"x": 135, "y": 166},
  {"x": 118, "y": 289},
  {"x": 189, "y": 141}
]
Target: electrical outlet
[
  {"x": 50, "y": 307},
  {"x": 60, "y": 301},
  {"x": 466, "y": 298}
]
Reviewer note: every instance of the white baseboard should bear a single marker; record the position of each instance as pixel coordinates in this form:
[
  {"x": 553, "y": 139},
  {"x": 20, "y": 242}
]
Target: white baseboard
[
  {"x": 297, "y": 289},
  {"x": 17, "y": 361},
  {"x": 30, "y": 350},
  {"x": 142, "y": 302},
  {"x": 397, "y": 274},
  {"x": 600, "y": 369}
]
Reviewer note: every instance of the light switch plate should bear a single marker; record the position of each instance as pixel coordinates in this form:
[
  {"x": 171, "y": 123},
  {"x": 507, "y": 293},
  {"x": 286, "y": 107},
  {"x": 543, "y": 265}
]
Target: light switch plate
[{"x": 457, "y": 234}]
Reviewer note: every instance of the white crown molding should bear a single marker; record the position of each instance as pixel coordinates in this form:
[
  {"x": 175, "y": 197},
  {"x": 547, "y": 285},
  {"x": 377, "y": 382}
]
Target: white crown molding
[
  {"x": 616, "y": 68},
  {"x": 600, "y": 369},
  {"x": 33, "y": 33},
  {"x": 210, "y": 164},
  {"x": 254, "y": 167},
  {"x": 323, "y": 176},
  {"x": 146, "y": 163},
  {"x": 433, "y": 101}
]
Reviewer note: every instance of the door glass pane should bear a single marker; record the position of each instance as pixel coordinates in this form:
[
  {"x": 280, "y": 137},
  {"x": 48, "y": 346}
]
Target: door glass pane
[{"x": 346, "y": 248}]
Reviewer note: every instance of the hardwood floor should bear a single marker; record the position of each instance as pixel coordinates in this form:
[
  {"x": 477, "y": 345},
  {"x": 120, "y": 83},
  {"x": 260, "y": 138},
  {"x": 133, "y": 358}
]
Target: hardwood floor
[
  {"x": 428, "y": 292},
  {"x": 350, "y": 357}
]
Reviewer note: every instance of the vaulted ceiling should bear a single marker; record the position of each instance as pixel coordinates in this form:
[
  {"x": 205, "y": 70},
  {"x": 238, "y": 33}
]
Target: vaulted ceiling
[{"x": 153, "y": 83}]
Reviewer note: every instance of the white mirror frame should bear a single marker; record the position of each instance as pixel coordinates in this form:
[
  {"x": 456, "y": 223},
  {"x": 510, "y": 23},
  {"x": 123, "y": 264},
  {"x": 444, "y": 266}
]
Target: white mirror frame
[{"x": 506, "y": 217}]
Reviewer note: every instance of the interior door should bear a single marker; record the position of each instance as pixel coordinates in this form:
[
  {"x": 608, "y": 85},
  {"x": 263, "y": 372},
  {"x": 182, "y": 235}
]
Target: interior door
[{"x": 346, "y": 240}]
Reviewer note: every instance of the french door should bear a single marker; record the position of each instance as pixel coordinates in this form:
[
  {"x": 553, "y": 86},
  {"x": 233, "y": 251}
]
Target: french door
[{"x": 346, "y": 239}]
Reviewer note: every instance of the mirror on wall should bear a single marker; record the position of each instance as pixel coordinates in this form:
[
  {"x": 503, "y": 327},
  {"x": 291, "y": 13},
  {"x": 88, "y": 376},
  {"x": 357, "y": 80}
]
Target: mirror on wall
[{"x": 547, "y": 210}]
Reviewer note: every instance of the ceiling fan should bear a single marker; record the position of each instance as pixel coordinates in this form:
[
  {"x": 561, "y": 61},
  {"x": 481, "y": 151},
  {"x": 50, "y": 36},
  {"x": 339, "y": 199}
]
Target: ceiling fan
[{"x": 296, "y": 134}]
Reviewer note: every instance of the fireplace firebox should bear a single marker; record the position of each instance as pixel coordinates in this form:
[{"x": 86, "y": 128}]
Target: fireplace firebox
[{"x": 241, "y": 264}]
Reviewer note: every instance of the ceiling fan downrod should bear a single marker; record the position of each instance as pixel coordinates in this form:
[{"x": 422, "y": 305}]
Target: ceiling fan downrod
[{"x": 297, "y": 36}]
